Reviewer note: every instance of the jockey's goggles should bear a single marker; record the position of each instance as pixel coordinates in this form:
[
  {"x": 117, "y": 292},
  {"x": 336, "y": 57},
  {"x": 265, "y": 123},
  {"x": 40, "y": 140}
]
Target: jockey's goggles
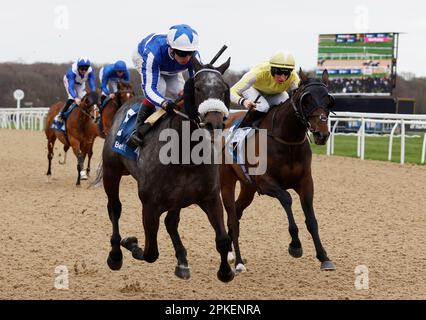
[
  {"x": 281, "y": 71},
  {"x": 83, "y": 68},
  {"x": 183, "y": 54}
]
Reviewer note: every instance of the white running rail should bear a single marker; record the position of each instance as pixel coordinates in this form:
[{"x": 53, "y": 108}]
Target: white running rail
[
  {"x": 26, "y": 119},
  {"x": 398, "y": 121},
  {"x": 34, "y": 119}
]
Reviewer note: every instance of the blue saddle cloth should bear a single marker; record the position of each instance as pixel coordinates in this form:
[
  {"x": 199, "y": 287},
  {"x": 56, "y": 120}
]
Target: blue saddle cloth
[
  {"x": 124, "y": 132},
  {"x": 60, "y": 125}
]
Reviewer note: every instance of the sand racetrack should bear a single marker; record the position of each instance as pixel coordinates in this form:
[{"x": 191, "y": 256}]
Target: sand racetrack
[{"x": 369, "y": 213}]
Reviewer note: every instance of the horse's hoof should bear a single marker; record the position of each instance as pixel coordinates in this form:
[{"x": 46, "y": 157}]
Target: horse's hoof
[
  {"x": 226, "y": 277},
  {"x": 295, "y": 252},
  {"x": 240, "y": 268},
  {"x": 129, "y": 242},
  {"x": 231, "y": 257},
  {"x": 328, "y": 266},
  {"x": 114, "y": 264},
  {"x": 137, "y": 253},
  {"x": 183, "y": 272}
]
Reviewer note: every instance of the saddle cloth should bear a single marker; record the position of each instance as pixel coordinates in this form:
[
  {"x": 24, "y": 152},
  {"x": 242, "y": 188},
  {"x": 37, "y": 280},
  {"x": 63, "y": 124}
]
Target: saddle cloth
[
  {"x": 60, "y": 125},
  {"x": 234, "y": 141},
  {"x": 124, "y": 132}
]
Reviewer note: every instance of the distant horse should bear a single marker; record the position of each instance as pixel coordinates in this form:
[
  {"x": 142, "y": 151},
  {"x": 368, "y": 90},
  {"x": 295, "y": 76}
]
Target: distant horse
[
  {"x": 81, "y": 132},
  {"x": 171, "y": 187},
  {"x": 124, "y": 93},
  {"x": 289, "y": 158}
]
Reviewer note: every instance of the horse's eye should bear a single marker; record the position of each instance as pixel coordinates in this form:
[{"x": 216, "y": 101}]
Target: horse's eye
[{"x": 198, "y": 89}]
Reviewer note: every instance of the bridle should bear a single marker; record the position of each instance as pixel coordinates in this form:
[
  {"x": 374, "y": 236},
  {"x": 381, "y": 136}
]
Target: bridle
[
  {"x": 299, "y": 109},
  {"x": 196, "y": 121},
  {"x": 88, "y": 114},
  {"x": 301, "y": 114}
]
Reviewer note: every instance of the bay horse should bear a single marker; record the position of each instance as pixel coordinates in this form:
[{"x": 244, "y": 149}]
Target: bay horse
[
  {"x": 171, "y": 187},
  {"x": 289, "y": 158},
  {"x": 107, "y": 112},
  {"x": 124, "y": 93},
  {"x": 81, "y": 132}
]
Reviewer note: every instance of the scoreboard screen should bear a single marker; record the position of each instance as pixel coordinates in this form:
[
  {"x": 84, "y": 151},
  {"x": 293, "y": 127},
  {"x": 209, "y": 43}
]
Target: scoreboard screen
[{"x": 358, "y": 63}]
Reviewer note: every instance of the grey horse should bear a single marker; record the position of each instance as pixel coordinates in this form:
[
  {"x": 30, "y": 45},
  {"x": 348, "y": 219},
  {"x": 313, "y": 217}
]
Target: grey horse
[{"x": 169, "y": 188}]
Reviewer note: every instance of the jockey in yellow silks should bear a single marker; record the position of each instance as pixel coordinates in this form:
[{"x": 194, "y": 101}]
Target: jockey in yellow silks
[{"x": 271, "y": 80}]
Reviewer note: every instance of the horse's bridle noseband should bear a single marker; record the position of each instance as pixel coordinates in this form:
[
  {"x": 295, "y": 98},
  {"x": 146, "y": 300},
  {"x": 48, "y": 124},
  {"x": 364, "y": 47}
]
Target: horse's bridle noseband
[
  {"x": 298, "y": 107},
  {"x": 198, "y": 123}
]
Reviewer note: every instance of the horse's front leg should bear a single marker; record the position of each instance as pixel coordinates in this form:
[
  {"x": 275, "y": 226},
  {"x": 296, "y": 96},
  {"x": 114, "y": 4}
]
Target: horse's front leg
[
  {"x": 50, "y": 145},
  {"x": 172, "y": 222},
  {"x": 214, "y": 210},
  {"x": 75, "y": 144},
  {"x": 271, "y": 188},
  {"x": 306, "y": 194},
  {"x": 228, "y": 182},
  {"x": 111, "y": 179},
  {"x": 89, "y": 158}
]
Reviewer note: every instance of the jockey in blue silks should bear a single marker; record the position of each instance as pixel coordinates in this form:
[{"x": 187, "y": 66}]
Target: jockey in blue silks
[
  {"x": 160, "y": 59},
  {"x": 111, "y": 74},
  {"x": 75, "y": 80}
]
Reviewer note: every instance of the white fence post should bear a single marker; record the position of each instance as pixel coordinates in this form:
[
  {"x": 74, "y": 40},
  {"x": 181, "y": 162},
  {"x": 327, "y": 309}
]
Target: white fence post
[
  {"x": 362, "y": 139},
  {"x": 391, "y": 141},
  {"x": 402, "y": 141}
]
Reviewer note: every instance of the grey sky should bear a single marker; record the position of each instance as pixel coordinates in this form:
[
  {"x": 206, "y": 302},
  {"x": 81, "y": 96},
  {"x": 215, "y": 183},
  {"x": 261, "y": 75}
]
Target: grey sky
[{"x": 109, "y": 30}]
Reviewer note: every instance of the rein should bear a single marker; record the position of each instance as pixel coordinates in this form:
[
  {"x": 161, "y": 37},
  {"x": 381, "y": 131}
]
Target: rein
[
  {"x": 280, "y": 140},
  {"x": 300, "y": 115},
  {"x": 86, "y": 113}
]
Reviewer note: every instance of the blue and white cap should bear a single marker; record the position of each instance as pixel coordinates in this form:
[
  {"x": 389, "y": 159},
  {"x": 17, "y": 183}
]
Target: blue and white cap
[
  {"x": 182, "y": 37},
  {"x": 83, "y": 62}
]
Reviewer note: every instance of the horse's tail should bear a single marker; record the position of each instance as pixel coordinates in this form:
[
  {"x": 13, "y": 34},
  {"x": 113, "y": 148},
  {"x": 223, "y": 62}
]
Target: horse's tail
[{"x": 99, "y": 176}]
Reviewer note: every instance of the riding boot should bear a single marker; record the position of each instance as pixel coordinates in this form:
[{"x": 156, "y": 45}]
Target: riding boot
[
  {"x": 251, "y": 117},
  {"x": 136, "y": 138},
  {"x": 65, "y": 109},
  {"x": 103, "y": 97}
]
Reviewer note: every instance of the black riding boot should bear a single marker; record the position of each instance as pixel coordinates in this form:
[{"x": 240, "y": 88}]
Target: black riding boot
[
  {"x": 103, "y": 97},
  {"x": 251, "y": 117},
  {"x": 65, "y": 109},
  {"x": 136, "y": 138}
]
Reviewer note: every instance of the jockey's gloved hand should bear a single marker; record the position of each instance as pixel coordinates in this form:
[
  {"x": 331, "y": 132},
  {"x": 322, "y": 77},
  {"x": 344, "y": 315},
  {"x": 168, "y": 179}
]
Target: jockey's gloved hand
[{"x": 169, "y": 106}]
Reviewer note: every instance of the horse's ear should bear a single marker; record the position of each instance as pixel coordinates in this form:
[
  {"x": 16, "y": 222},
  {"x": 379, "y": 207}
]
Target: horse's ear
[
  {"x": 196, "y": 63},
  {"x": 303, "y": 76},
  {"x": 222, "y": 68},
  {"x": 189, "y": 98},
  {"x": 326, "y": 77}
]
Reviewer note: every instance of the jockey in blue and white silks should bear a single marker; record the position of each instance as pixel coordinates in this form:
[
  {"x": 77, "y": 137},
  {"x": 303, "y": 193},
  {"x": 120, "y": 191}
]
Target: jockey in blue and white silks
[
  {"x": 111, "y": 74},
  {"x": 160, "y": 59},
  {"x": 75, "y": 80}
]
